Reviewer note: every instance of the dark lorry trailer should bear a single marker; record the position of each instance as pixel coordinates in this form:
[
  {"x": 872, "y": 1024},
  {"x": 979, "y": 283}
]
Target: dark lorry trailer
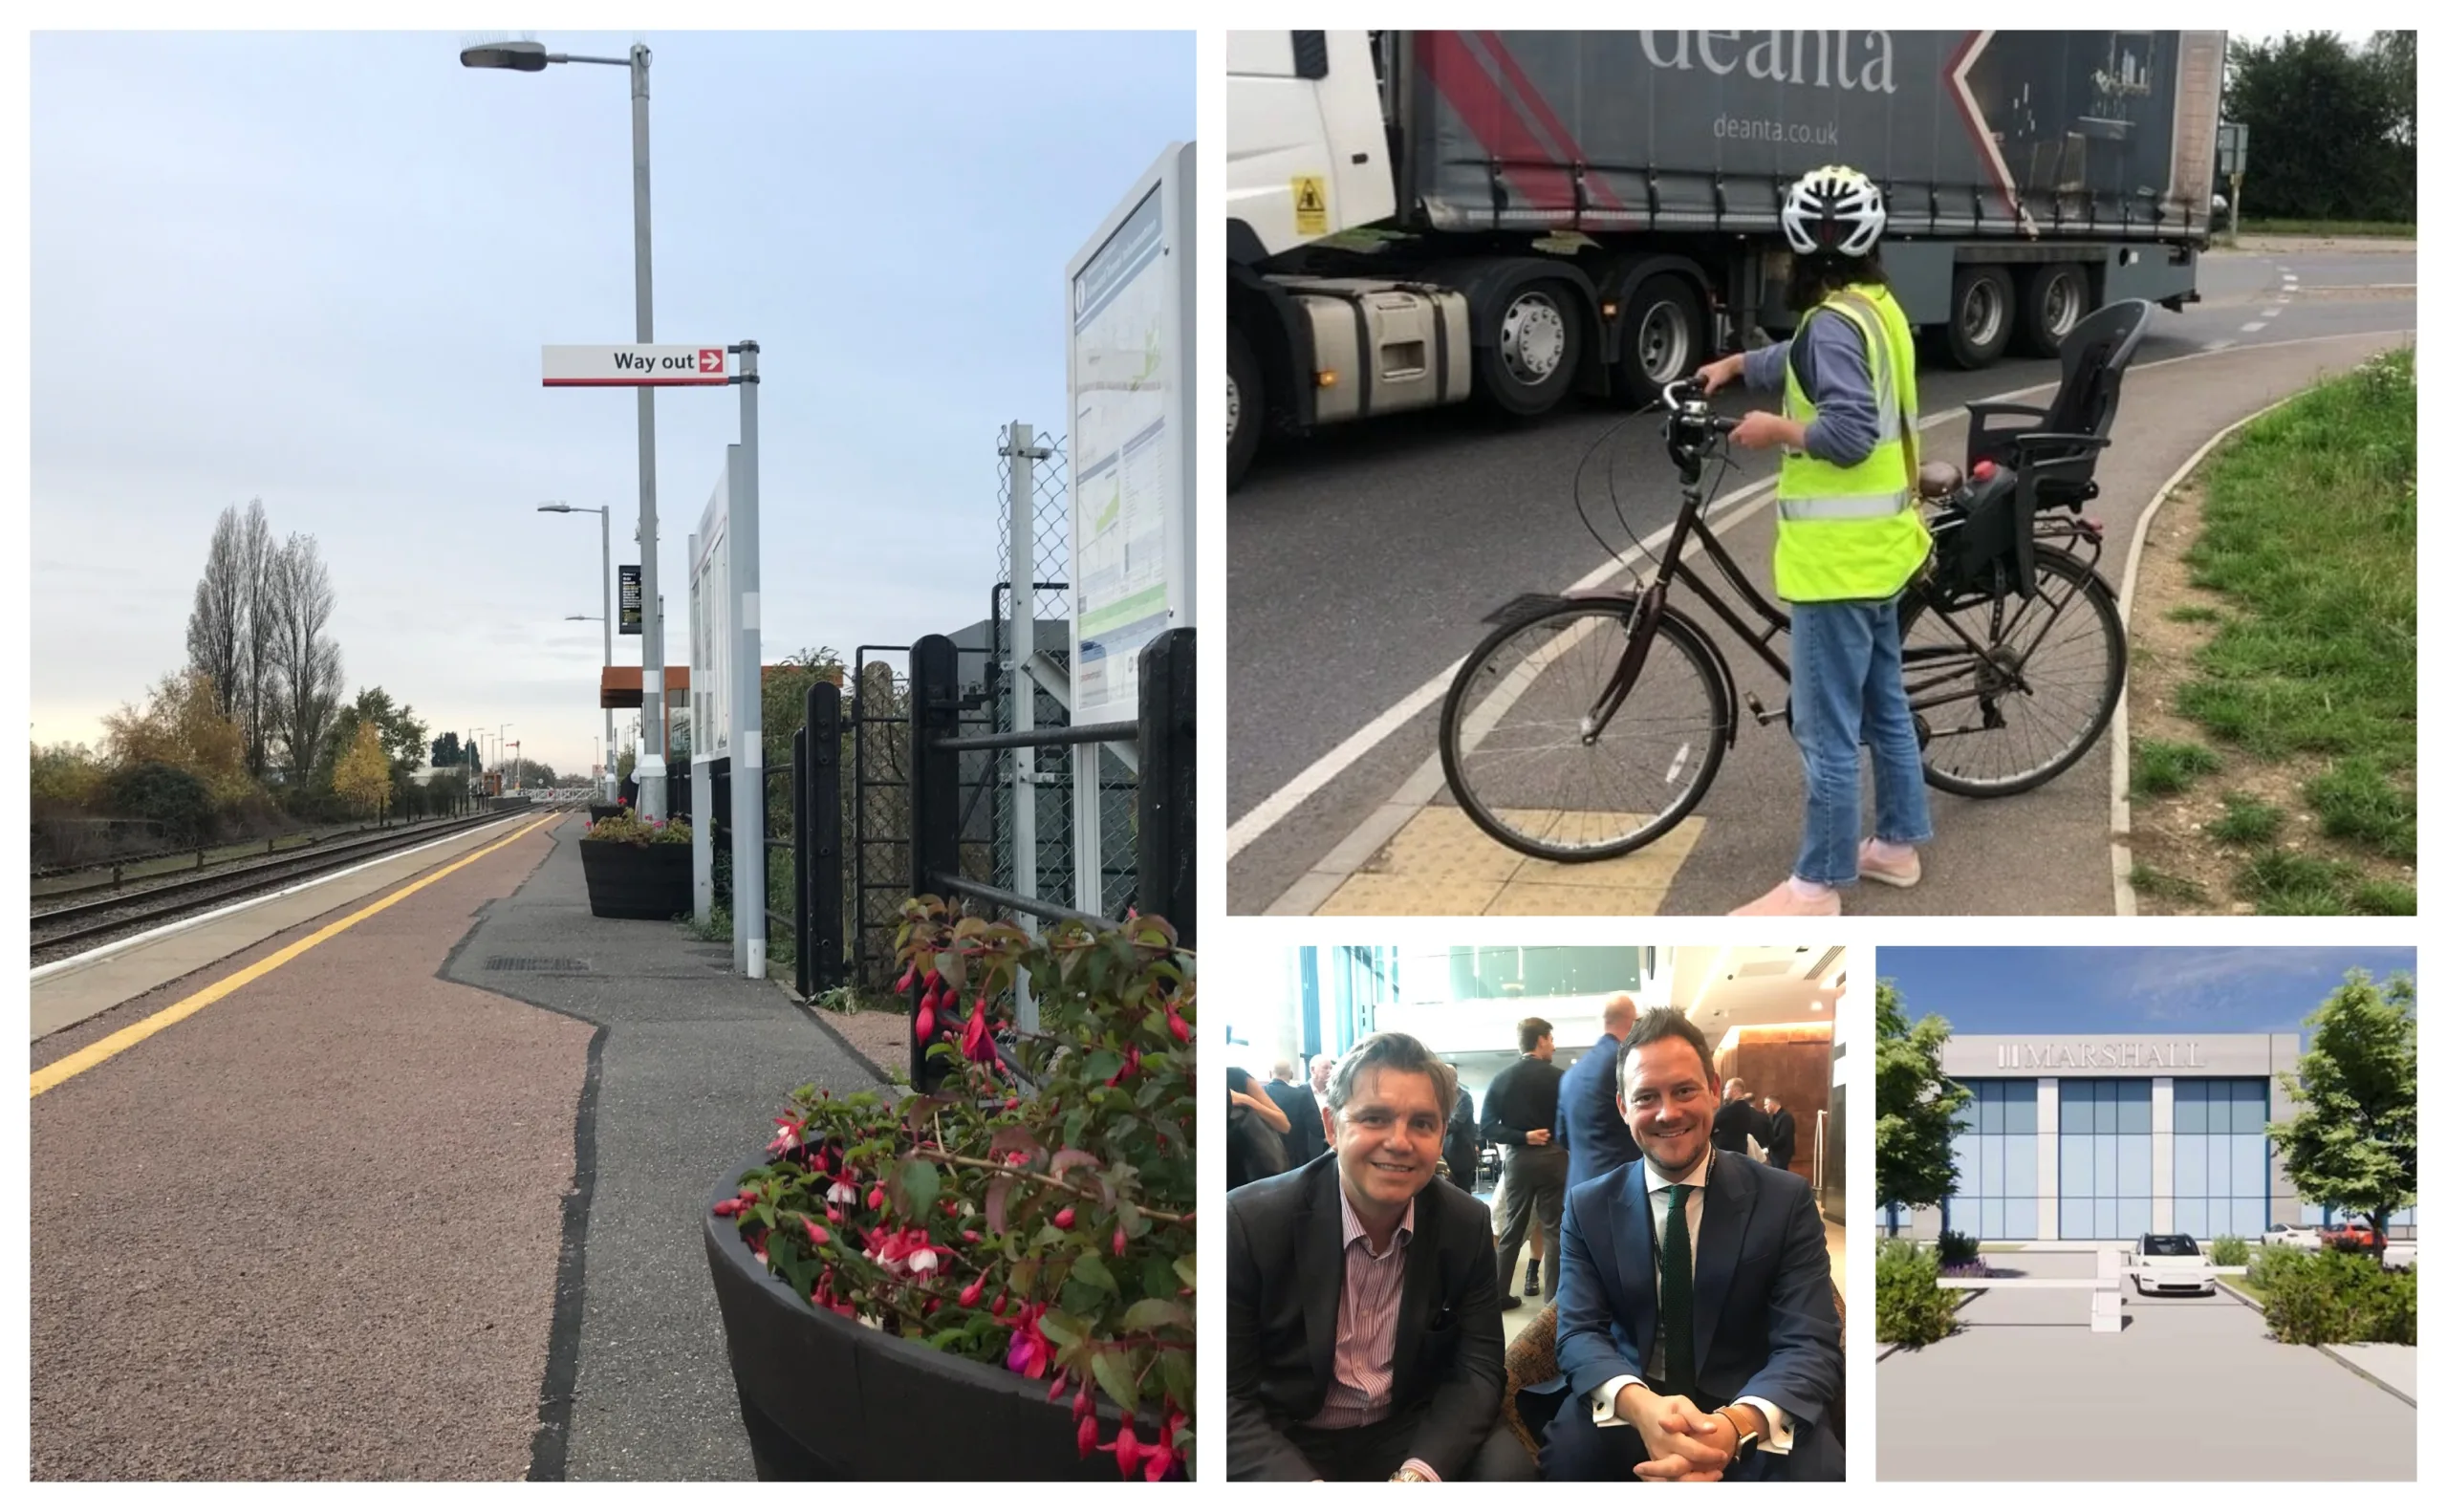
[{"x": 1614, "y": 194}]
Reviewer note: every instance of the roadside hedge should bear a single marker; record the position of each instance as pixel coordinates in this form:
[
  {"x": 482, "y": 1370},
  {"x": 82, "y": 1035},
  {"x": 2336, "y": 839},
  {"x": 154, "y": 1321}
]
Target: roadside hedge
[
  {"x": 1910, "y": 1308},
  {"x": 2333, "y": 1298}
]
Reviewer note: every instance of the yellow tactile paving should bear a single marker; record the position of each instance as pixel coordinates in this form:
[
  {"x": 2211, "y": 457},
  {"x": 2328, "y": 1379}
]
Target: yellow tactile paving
[{"x": 1440, "y": 864}]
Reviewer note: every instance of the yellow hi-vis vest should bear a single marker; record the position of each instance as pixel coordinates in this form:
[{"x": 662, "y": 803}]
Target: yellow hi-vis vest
[{"x": 1852, "y": 532}]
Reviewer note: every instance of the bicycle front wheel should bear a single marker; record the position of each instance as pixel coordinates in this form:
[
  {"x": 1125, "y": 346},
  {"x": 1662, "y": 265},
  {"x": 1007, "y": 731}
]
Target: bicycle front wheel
[
  {"x": 1526, "y": 757},
  {"x": 2042, "y": 695}
]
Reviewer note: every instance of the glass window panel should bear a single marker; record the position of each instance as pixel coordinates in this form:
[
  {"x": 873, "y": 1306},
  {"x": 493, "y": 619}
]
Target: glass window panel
[
  {"x": 2022, "y": 1217},
  {"x": 2251, "y": 1108},
  {"x": 2132, "y": 1215},
  {"x": 1966, "y": 1165},
  {"x": 2192, "y": 1108},
  {"x": 2021, "y": 1165},
  {"x": 1992, "y": 1217},
  {"x": 2022, "y": 1109},
  {"x": 2191, "y": 1165},
  {"x": 2191, "y": 1216},
  {"x": 2073, "y": 1108},
  {"x": 2222, "y": 1114},
  {"x": 2103, "y": 1166},
  {"x": 2073, "y": 1218},
  {"x": 2248, "y": 1175},
  {"x": 2136, "y": 1117},
  {"x": 2073, "y": 1165},
  {"x": 2133, "y": 1166},
  {"x": 1992, "y": 1166},
  {"x": 2219, "y": 1182}
]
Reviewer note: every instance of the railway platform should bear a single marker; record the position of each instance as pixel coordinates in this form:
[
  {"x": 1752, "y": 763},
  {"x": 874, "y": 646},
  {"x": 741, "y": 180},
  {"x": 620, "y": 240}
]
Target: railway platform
[{"x": 397, "y": 1178}]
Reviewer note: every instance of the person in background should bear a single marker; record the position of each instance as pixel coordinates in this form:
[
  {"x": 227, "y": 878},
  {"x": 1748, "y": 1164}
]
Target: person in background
[
  {"x": 1595, "y": 1138},
  {"x": 1738, "y": 1123},
  {"x": 1520, "y": 1116},
  {"x": 1306, "y": 1138},
  {"x": 1362, "y": 1339},
  {"x": 1780, "y": 1133},
  {"x": 1462, "y": 1138},
  {"x": 1253, "y": 1133}
]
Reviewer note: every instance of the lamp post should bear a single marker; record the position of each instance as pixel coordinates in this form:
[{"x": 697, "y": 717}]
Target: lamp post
[
  {"x": 605, "y": 515},
  {"x": 530, "y": 57},
  {"x": 501, "y": 751}
]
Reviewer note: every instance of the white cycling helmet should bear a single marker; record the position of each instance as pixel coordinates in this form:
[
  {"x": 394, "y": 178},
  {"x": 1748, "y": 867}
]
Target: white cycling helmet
[{"x": 1834, "y": 209}]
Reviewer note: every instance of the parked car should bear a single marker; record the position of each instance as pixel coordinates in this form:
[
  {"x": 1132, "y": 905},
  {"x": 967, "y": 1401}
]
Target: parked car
[
  {"x": 2291, "y": 1236},
  {"x": 2169, "y": 1263},
  {"x": 2354, "y": 1237}
]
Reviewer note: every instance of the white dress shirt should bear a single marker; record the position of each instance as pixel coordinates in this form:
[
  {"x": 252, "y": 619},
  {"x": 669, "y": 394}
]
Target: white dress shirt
[{"x": 1778, "y": 1439}]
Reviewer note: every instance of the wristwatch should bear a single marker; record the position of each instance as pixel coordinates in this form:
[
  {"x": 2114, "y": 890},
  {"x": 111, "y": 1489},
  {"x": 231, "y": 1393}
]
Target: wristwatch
[{"x": 1744, "y": 1443}]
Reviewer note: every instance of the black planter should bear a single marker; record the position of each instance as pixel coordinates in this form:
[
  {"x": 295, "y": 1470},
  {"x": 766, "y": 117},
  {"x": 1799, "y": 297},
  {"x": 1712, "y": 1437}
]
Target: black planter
[
  {"x": 825, "y": 1398},
  {"x": 597, "y": 812},
  {"x": 637, "y": 881}
]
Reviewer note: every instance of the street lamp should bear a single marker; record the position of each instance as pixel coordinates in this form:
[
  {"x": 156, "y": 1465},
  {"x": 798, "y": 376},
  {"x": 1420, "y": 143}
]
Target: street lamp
[
  {"x": 606, "y": 514},
  {"x": 530, "y": 57}
]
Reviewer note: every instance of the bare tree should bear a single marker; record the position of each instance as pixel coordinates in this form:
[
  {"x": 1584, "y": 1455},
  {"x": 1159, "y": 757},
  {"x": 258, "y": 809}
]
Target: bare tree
[
  {"x": 257, "y": 558},
  {"x": 217, "y": 625},
  {"x": 304, "y": 660}
]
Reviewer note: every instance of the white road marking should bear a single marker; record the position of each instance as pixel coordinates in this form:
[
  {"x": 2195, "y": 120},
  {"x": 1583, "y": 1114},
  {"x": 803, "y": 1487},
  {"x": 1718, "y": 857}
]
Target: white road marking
[
  {"x": 2254, "y": 325},
  {"x": 1277, "y": 806},
  {"x": 2268, "y": 315}
]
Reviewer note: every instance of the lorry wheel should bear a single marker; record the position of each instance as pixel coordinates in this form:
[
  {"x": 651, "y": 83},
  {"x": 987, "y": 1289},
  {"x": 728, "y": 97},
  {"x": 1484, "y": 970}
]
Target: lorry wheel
[
  {"x": 2053, "y": 303},
  {"x": 1243, "y": 406},
  {"x": 1537, "y": 350},
  {"x": 1982, "y": 316},
  {"x": 1660, "y": 339}
]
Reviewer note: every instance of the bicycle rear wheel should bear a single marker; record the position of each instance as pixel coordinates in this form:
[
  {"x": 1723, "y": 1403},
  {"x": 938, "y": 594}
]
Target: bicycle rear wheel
[
  {"x": 1994, "y": 730},
  {"x": 1512, "y": 734}
]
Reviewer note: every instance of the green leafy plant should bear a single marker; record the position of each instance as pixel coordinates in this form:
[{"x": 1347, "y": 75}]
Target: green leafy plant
[
  {"x": 626, "y": 828},
  {"x": 1956, "y": 1249},
  {"x": 2334, "y": 1298},
  {"x": 1911, "y": 1310},
  {"x": 1035, "y": 1209},
  {"x": 2229, "y": 1249}
]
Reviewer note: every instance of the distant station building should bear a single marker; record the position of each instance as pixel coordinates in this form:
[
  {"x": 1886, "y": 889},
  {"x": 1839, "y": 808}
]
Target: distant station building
[{"x": 2105, "y": 1138}]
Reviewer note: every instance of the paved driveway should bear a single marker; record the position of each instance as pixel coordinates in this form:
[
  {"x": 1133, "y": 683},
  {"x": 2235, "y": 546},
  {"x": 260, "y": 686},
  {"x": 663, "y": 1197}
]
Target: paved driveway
[{"x": 2192, "y": 1389}]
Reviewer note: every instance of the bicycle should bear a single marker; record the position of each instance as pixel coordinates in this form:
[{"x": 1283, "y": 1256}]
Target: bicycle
[{"x": 1536, "y": 718}]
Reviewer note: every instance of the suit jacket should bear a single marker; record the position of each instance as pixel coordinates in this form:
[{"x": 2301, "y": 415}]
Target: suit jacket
[
  {"x": 1283, "y": 1276},
  {"x": 1736, "y": 1124},
  {"x": 1306, "y": 1140},
  {"x": 1462, "y": 1141},
  {"x": 1780, "y": 1138},
  {"x": 1763, "y": 1300},
  {"x": 1593, "y": 1131}
]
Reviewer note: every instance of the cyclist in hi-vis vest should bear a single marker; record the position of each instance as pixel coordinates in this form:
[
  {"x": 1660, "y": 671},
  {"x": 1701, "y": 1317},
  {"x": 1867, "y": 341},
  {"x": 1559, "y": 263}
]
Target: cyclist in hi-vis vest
[{"x": 1848, "y": 537}]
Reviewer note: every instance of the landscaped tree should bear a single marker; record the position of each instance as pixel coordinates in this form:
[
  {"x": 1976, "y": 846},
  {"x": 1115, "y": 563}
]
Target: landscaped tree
[
  {"x": 363, "y": 776},
  {"x": 181, "y": 723},
  {"x": 2350, "y": 1145},
  {"x": 1915, "y": 1107},
  {"x": 2325, "y": 121},
  {"x": 445, "y": 750}
]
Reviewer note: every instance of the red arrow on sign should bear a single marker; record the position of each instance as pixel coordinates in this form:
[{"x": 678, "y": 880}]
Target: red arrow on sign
[{"x": 709, "y": 359}]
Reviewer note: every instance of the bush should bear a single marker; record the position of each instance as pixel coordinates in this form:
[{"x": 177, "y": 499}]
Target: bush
[
  {"x": 175, "y": 799},
  {"x": 1910, "y": 1308},
  {"x": 1956, "y": 1249},
  {"x": 2330, "y": 1298},
  {"x": 2229, "y": 1249},
  {"x": 628, "y": 829}
]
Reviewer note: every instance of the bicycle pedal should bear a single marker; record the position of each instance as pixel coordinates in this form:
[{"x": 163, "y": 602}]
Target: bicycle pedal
[{"x": 1757, "y": 710}]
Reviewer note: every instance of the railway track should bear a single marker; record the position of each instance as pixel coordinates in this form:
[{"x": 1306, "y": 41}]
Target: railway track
[{"x": 144, "y": 907}]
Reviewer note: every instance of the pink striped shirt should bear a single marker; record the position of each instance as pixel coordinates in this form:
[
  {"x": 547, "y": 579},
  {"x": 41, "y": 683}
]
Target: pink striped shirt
[{"x": 1362, "y": 1390}]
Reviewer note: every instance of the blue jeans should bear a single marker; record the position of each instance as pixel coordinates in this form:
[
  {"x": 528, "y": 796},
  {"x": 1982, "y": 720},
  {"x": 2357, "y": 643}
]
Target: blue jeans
[{"x": 1847, "y": 691}]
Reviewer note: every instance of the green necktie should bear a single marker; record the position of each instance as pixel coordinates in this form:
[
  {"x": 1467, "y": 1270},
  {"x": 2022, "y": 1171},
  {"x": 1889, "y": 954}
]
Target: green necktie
[{"x": 1674, "y": 1300}]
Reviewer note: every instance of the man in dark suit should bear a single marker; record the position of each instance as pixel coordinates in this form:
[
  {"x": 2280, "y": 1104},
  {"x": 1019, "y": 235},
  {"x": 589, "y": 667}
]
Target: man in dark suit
[
  {"x": 1519, "y": 1114},
  {"x": 1696, "y": 1326},
  {"x": 1737, "y": 1123},
  {"x": 1780, "y": 1133},
  {"x": 1462, "y": 1141},
  {"x": 1306, "y": 1140},
  {"x": 1363, "y": 1339},
  {"x": 1595, "y": 1138}
]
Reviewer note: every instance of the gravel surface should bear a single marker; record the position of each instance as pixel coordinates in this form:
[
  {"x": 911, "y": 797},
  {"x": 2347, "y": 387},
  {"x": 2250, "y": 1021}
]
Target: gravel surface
[{"x": 311, "y": 1231}]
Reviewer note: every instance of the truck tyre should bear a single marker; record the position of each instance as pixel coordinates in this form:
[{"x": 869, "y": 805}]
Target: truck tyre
[
  {"x": 2054, "y": 301},
  {"x": 1537, "y": 348},
  {"x": 1243, "y": 406},
  {"x": 1981, "y": 318},
  {"x": 1660, "y": 339}
]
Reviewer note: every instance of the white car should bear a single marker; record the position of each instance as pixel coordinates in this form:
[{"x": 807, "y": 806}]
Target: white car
[
  {"x": 2291, "y": 1236},
  {"x": 2166, "y": 1263}
]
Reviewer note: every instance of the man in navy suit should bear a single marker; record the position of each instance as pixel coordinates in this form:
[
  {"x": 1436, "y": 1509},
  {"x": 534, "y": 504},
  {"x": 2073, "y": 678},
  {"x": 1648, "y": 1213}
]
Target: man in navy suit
[
  {"x": 1695, "y": 1322},
  {"x": 1595, "y": 1132}
]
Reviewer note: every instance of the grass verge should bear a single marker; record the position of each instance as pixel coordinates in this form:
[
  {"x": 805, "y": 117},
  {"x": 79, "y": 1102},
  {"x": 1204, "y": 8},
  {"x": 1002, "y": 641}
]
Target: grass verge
[{"x": 2398, "y": 228}]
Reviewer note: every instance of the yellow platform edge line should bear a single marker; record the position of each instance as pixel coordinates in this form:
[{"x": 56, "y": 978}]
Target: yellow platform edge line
[{"x": 137, "y": 1033}]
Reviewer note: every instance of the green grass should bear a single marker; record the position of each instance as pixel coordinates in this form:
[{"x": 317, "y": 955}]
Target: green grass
[
  {"x": 2242, "y": 1283},
  {"x": 2283, "y": 882},
  {"x": 2248, "y": 821},
  {"x": 2257, "y": 227},
  {"x": 2193, "y": 613},
  {"x": 2168, "y": 767},
  {"x": 2148, "y": 878},
  {"x": 2356, "y": 801}
]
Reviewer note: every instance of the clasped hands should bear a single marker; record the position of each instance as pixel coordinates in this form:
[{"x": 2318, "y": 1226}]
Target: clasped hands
[{"x": 1683, "y": 1442}]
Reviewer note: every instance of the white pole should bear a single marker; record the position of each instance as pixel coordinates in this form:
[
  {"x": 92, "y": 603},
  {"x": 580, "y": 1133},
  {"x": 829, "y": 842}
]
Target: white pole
[{"x": 748, "y": 752}]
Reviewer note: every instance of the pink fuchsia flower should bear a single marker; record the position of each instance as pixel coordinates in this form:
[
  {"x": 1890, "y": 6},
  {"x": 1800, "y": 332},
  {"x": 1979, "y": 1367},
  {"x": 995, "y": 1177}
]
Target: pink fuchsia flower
[
  {"x": 908, "y": 978},
  {"x": 977, "y": 1040},
  {"x": 729, "y": 1207},
  {"x": 1082, "y": 1404},
  {"x": 1120, "y": 1241},
  {"x": 1066, "y": 1217},
  {"x": 1126, "y": 1451},
  {"x": 925, "y": 1021},
  {"x": 817, "y": 1233},
  {"x": 1087, "y": 1436},
  {"x": 841, "y": 1192},
  {"x": 1029, "y": 1355},
  {"x": 934, "y": 978},
  {"x": 922, "y": 1260},
  {"x": 970, "y": 1293},
  {"x": 1159, "y": 1461},
  {"x": 1179, "y": 1026},
  {"x": 791, "y": 1131},
  {"x": 874, "y": 1197}
]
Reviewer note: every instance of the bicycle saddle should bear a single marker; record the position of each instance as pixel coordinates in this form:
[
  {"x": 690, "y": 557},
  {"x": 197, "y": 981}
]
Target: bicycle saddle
[{"x": 1940, "y": 480}]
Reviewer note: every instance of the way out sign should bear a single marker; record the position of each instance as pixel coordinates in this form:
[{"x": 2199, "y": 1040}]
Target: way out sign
[{"x": 635, "y": 366}]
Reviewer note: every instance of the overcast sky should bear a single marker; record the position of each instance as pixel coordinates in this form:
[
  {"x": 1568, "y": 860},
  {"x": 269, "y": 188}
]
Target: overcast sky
[
  {"x": 317, "y": 269},
  {"x": 2109, "y": 990}
]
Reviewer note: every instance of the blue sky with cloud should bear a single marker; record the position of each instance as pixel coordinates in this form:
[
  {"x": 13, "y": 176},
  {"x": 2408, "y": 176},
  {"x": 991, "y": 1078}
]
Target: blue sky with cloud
[{"x": 2108, "y": 989}]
